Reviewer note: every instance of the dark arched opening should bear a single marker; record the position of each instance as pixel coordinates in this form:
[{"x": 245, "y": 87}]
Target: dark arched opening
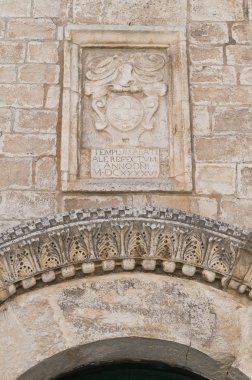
[{"x": 129, "y": 371}]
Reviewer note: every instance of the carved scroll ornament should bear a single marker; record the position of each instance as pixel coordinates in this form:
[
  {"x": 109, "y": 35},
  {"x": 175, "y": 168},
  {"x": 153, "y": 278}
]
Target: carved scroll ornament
[{"x": 85, "y": 241}]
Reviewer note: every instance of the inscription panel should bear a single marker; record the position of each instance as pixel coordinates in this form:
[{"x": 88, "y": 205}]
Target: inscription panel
[
  {"x": 126, "y": 93},
  {"x": 125, "y": 108},
  {"x": 125, "y": 163}
]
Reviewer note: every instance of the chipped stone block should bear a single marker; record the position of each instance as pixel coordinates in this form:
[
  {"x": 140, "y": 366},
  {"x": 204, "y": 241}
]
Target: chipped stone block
[
  {"x": 39, "y": 29},
  {"x": 201, "y": 121},
  {"x": 39, "y": 73},
  {"x": 207, "y": 55},
  {"x": 208, "y": 32},
  {"x": 211, "y": 179},
  {"x": 215, "y": 10},
  {"x": 43, "y": 52}
]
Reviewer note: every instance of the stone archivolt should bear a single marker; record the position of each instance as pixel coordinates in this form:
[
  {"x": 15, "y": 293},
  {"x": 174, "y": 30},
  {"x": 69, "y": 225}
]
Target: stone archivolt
[{"x": 97, "y": 241}]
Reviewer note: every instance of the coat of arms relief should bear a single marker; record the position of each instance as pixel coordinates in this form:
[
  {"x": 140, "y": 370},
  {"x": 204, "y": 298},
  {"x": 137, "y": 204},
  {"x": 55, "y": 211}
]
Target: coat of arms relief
[{"x": 125, "y": 93}]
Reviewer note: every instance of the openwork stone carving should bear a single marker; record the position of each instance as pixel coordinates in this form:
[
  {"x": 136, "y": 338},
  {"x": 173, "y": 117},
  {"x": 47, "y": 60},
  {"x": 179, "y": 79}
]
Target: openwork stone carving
[{"x": 125, "y": 239}]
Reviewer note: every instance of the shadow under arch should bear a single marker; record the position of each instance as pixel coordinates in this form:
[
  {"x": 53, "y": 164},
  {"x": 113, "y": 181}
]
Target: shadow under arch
[{"x": 132, "y": 349}]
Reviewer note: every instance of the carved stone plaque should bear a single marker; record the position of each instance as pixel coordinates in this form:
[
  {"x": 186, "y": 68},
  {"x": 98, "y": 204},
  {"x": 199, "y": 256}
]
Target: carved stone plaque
[
  {"x": 125, "y": 111},
  {"x": 128, "y": 128}
]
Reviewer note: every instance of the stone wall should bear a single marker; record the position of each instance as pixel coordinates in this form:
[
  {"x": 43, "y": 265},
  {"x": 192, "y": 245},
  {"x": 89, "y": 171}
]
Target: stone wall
[{"x": 219, "y": 52}]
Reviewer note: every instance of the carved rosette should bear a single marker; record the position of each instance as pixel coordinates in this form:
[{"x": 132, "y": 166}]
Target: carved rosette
[{"x": 125, "y": 239}]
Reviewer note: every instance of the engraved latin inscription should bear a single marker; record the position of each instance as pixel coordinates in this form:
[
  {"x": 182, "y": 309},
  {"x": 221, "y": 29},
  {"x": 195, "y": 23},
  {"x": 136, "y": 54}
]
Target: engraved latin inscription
[{"x": 125, "y": 163}]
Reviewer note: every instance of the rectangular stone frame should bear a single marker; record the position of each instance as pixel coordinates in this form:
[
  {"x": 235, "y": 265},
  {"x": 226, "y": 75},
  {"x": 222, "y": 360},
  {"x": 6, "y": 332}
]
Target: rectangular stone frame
[{"x": 172, "y": 38}]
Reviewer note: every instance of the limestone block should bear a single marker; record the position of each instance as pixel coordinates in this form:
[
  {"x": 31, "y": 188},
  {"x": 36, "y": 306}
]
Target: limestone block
[
  {"x": 208, "y": 32},
  {"x": 39, "y": 29},
  {"x": 145, "y": 12},
  {"x": 206, "y": 54},
  {"x": 43, "y": 52},
  {"x": 212, "y": 179},
  {"x": 213, "y": 74},
  {"x": 244, "y": 180},
  {"x": 27, "y": 145},
  {"x": 7, "y": 73},
  {"x": 201, "y": 121},
  {"x": 130, "y": 12},
  {"x": 237, "y": 211},
  {"x": 21, "y": 95},
  {"x": 5, "y": 119},
  {"x": 215, "y": 95},
  {"x": 32, "y": 121},
  {"x": 87, "y": 11},
  {"x": 12, "y": 52},
  {"x": 39, "y": 73},
  {"x": 232, "y": 119},
  {"x": 239, "y": 55},
  {"x": 215, "y": 10},
  {"x": 52, "y": 97},
  {"x": 89, "y": 201},
  {"x": 199, "y": 205},
  {"x": 242, "y": 33},
  {"x": 17, "y": 8},
  {"x": 16, "y": 173},
  {"x": 246, "y": 76},
  {"x": 222, "y": 148},
  {"x": 26, "y": 204},
  {"x": 45, "y": 174},
  {"x": 47, "y": 8},
  {"x": 2, "y": 28}
]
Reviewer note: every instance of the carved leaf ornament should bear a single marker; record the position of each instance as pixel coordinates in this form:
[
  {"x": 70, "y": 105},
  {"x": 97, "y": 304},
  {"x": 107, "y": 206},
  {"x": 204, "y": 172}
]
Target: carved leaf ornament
[{"x": 163, "y": 240}]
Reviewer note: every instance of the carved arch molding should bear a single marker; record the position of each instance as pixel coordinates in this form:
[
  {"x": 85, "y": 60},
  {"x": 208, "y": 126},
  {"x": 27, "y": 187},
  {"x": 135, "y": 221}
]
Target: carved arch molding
[{"x": 99, "y": 241}]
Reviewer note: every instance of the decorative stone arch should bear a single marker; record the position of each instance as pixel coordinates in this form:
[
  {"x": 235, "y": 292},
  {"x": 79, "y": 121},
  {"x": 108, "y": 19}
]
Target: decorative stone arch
[{"x": 194, "y": 313}]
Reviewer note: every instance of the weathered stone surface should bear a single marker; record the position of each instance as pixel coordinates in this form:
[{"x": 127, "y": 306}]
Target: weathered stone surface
[
  {"x": 222, "y": 149},
  {"x": 73, "y": 202},
  {"x": 12, "y": 52},
  {"x": 212, "y": 179},
  {"x": 225, "y": 10},
  {"x": 232, "y": 119},
  {"x": 245, "y": 180},
  {"x": 47, "y": 8},
  {"x": 237, "y": 211},
  {"x": 130, "y": 11},
  {"x": 43, "y": 52},
  {"x": 19, "y": 8},
  {"x": 206, "y": 55},
  {"x": 242, "y": 33},
  {"x": 213, "y": 74},
  {"x": 250, "y": 9},
  {"x": 39, "y": 29},
  {"x": 16, "y": 173},
  {"x": 200, "y": 205},
  {"x": 46, "y": 174},
  {"x": 7, "y": 73},
  {"x": 215, "y": 95},
  {"x": 201, "y": 121},
  {"x": 21, "y": 95},
  {"x": 2, "y": 28},
  {"x": 246, "y": 76},
  {"x": 39, "y": 73},
  {"x": 27, "y": 145},
  {"x": 239, "y": 55},
  {"x": 5, "y": 119},
  {"x": 26, "y": 204},
  {"x": 32, "y": 121},
  {"x": 160, "y": 336},
  {"x": 209, "y": 32},
  {"x": 52, "y": 97}
]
